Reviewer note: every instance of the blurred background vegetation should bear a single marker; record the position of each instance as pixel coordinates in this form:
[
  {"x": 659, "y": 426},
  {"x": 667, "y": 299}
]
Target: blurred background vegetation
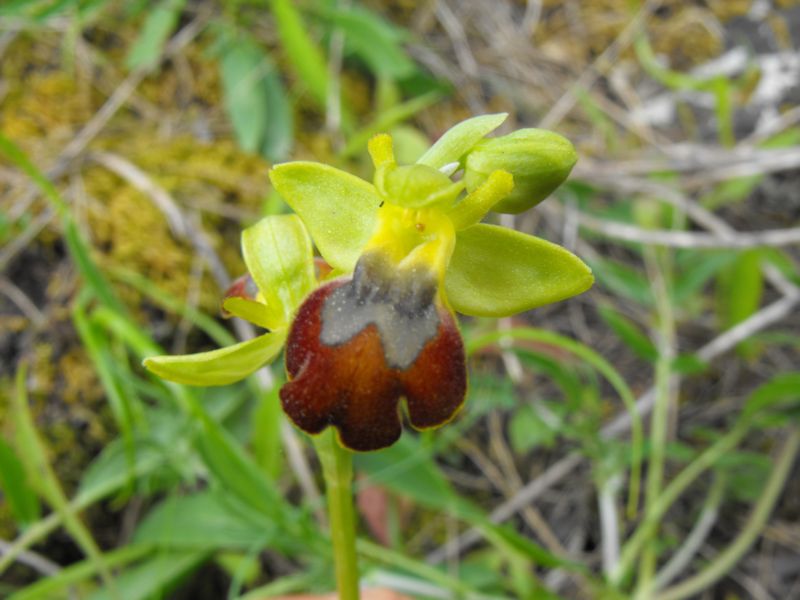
[{"x": 136, "y": 138}]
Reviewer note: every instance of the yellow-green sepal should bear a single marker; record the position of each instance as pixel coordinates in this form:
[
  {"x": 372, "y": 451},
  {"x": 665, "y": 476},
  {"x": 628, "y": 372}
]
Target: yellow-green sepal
[
  {"x": 219, "y": 367},
  {"x": 459, "y": 139},
  {"x": 278, "y": 254},
  {"x": 256, "y": 312},
  {"x": 497, "y": 272},
  {"x": 339, "y": 209}
]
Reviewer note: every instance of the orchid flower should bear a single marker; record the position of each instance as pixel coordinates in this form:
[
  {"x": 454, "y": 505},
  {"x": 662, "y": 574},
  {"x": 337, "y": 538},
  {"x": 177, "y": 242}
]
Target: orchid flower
[{"x": 377, "y": 324}]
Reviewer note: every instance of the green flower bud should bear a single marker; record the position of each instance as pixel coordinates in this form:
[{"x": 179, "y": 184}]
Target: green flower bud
[{"x": 539, "y": 160}]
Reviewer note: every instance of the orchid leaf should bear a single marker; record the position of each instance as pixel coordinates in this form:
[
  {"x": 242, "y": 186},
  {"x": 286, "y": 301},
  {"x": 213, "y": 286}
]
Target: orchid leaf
[
  {"x": 339, "y": 209},
  {"x": 498, "y": 272},
  {"x": 160, "y": 23},
  {"x": 218, "y": 367},
  {"x": 459, "y": 139},
  {"x": 374, "y": 40},
  {"x": 242, "y": 68},
  {"x": 278, "y": 254},
  {"x": 255, "y": 99}
]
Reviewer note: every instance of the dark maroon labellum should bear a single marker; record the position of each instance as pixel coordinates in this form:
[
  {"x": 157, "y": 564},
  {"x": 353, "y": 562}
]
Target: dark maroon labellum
[{"x": 356, "y": 347}]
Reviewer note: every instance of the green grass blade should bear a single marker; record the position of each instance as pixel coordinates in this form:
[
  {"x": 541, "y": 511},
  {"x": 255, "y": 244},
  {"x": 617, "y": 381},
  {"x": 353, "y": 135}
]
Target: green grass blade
[
  {"x": 375, "y": 41},
  {"x": 159, "y": 24},
  {"x": 399, "y": 560},
  {"x": 16, "y": 487},
  {"x": 387, "y": 119},
  {"x": 100, "y": 486},
  {"x": 49, "y": 588},
  {"x": 305, "y": 56},
  {"x": 603, "y": 367},
  {"x": 156, "y": 576},
  {"x": 167, "y": 301},
  {"x": 121, "y": 406},
  {"x": 409, "y": 470},
  {"x": 629, "y": 332},
  {"x": 207, "y": 520},
  {"x": 266, "y": 431},
  {"x": 225, "y": 458},
  {"x": 45, "y": 481}
]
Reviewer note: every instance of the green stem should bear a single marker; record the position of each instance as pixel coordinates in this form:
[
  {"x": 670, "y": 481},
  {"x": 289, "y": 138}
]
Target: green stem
[
  {"x": 337, "y": 467},
  {"x": 668, "y": 497},
  {"x": 658, "y": 262},
  {"x": 723, "y": 563},
  {"x": 683, "y": 557}
]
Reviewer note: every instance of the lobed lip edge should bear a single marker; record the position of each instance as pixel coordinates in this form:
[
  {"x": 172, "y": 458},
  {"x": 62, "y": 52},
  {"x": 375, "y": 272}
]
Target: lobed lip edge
[{"x": 353, "y": 388}]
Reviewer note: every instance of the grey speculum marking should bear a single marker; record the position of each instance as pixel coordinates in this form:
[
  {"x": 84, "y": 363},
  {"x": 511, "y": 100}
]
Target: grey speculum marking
[{"x": 400, "y": 305}]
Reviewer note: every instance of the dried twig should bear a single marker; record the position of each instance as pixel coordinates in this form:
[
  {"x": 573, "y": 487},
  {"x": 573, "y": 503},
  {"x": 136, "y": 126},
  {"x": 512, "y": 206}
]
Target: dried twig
[
  {"x": 101, "y": 118},
  {"x": 466, "y": 60},
  {"x": 680, "y": 561},
  {"x": 765, "y": 317},
  {"x": 19, "y": 243},
  {"x": 693, "y": 210},
  {"x": 333, "y": 101},
  {"x": 35, "y": 561},
  {"x": 25, "y": 305},
  {"x": 701, "y": 164},
  {"x": 598, "y": 67},
  {"x": 788, "y": 119},
  {"x": 458, "y": 37},
  {"x": 530, "y": 20},
  {"x": 684, "y": 239},
  {"x": 607, "y": 508},
  {"x": 145, "y": 184}
]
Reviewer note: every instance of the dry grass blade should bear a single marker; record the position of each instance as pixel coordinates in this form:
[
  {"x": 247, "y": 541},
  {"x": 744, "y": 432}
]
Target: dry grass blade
[
  {"x": 684, "y": 239},
  {"x": 35, "y": 561},
  {"x": 559, "y": 470},
  {"x": 26, "y": 306},
  {"x": 600, "y": 65}
]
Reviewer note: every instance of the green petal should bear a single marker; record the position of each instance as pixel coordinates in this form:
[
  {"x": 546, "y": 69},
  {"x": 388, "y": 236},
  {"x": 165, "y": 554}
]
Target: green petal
[
  {"x": 481, "y": 200},
  {"x": 278, "y": 254},
  {"x": 459, "y": 139},
  {"x": 496, "y": 272},
  {"x": 218, "y": 367},
  {"x": 255, "y": 312},
  {"x": 339, "y": 209}
]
